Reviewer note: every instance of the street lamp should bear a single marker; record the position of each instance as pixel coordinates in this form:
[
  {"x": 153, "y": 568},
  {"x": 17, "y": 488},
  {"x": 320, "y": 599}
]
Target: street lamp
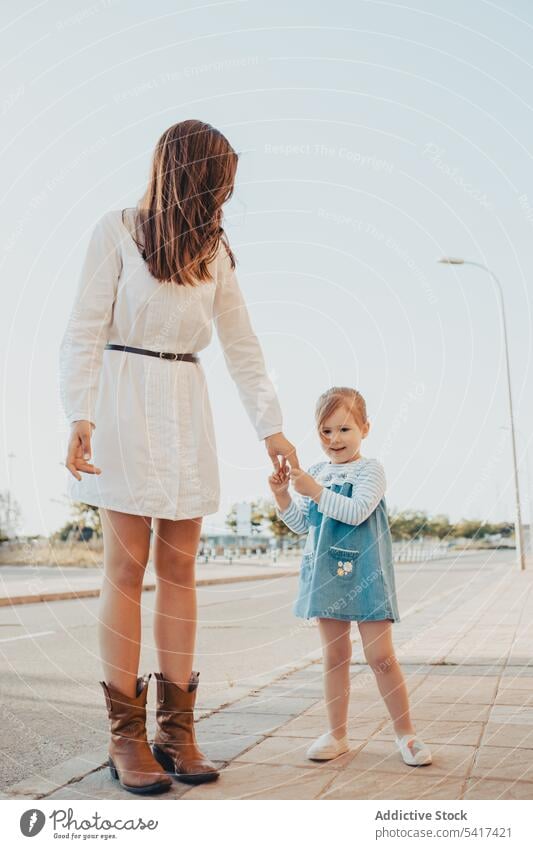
[
  {"x": 449, "y": 260},
  {"x": 528, "y": 484},
  {"x": 10, "y": 510}
]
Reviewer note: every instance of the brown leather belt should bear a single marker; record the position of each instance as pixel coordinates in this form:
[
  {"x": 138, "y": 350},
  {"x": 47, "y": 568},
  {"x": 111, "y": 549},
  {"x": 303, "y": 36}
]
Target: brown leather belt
[{"x": 163, "y": 355}]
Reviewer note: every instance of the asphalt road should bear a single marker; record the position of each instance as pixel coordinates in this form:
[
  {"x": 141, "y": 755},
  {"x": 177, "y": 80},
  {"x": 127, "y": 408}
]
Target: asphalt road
[{"x": 52, "y": 707}]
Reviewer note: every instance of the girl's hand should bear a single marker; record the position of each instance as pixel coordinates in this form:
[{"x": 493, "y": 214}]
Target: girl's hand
[
  {"x": 305, "y": 484},
  {"x": 79, "y": 450},
  {"x": 279, "y": 481}
]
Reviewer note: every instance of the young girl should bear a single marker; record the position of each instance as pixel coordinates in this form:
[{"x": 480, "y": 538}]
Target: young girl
[{"x": 347, "y": 568}]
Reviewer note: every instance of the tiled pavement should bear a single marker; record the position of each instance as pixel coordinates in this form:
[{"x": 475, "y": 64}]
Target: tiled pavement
[{"x": 470, "y": 678}]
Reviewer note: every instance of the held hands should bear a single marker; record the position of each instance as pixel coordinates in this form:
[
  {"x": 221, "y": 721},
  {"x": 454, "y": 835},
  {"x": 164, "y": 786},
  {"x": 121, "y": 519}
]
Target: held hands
[
  {"x": 79, "y": 450},
  {"x": 279, "y": 481},
  {"x": 303, "y": 483},
  {"x": 278, "y": 445}
]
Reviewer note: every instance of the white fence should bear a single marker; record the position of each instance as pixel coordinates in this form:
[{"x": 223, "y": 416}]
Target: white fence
[
  {"x": 402, "y": 552},
  {"x": 415, "y": 552}
]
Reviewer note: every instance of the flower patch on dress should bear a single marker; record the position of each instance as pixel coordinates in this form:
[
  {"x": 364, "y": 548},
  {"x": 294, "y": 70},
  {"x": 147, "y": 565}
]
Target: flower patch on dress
[
  {"x": 342, "y": 561},
  {"x": 344, "y": 568}
]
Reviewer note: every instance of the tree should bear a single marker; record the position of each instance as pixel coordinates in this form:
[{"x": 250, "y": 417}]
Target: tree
[
  {"x": 439, "y": 526},
  {"x": 84, "y": 516},
  {"x": 275, "y": 525},
  {"x": 409, "y": 524},
  {"x": 470, "y": 529},
  {"x": 404, "y": 525}
]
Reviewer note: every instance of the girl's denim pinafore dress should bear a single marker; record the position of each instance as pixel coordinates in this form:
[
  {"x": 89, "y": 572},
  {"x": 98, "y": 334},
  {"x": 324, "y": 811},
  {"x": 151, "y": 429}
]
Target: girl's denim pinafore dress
[{"x": 347, "y": 571}]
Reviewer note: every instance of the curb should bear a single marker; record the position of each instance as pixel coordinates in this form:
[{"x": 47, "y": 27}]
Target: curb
[{"x": 8, "y": 601}]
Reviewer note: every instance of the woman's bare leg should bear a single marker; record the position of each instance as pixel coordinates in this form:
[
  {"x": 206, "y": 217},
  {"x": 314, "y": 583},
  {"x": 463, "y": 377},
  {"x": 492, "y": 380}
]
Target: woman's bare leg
[
  {"x": 337, "y": 653},
  {"x": 379, "y": 653},
  {"x": 175, "y": 547},
  {"x": 126, "y": 548}
]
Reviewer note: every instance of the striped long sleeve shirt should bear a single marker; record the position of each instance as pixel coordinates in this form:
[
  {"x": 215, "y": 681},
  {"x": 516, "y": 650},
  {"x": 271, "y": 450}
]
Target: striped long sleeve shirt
[{"x": 368, "y": 477}]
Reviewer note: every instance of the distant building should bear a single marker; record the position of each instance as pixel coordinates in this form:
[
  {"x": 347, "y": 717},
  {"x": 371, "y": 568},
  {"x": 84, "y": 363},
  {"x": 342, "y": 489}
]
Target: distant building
[
  {"x": 220, "y": 542},
  {"x": 243, "y": 543}
]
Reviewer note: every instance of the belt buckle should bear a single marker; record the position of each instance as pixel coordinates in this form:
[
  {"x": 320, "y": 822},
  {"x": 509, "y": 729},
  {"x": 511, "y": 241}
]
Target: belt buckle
[{"x": 167, "y": 356}]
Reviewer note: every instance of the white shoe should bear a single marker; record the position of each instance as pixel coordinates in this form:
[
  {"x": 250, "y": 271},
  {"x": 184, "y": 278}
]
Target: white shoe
[
  {"x": 327, "y": 747},
  {"x": 413, "y": 750}
]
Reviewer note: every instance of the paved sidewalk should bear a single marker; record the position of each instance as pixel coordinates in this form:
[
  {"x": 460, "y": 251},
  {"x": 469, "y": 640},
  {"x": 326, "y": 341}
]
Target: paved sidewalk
[
  {"x": 29, "y": 584},
  {"x": 467, "y": 661}
]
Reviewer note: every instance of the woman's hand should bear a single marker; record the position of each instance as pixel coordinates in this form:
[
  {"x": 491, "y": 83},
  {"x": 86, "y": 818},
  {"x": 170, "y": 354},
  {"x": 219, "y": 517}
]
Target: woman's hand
[
  {"x": 305, "y": 484},
  {"x": 79, "y": 450},
  {"x": 278, "y": 444}
]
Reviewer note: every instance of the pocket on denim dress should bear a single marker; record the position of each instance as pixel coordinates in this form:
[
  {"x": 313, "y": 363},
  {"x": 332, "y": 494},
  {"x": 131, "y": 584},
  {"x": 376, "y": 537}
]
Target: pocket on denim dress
[
  {"x": 306, "y": 566},
  {"x": 306, "y": 574},
  {"x": 342, "y": 562}
]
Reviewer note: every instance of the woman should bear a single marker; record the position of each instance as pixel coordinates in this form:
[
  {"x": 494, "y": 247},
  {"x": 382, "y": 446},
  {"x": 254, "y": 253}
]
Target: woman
[{"x": 153, "y": 281}]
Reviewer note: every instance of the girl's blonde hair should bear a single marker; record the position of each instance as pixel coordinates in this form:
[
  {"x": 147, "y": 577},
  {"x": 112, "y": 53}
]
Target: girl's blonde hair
[{"x": 340, "y": 396}]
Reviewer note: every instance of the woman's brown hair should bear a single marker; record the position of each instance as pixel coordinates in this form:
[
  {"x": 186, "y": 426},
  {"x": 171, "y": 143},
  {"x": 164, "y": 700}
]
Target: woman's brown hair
[
  {"x": 179, "y": 217},
  {"x": 340, "y": 396}
]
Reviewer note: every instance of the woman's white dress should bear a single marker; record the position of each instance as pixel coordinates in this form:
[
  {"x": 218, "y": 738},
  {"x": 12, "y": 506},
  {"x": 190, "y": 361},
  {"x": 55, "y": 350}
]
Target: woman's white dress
[{"x": 154, "y": 438}]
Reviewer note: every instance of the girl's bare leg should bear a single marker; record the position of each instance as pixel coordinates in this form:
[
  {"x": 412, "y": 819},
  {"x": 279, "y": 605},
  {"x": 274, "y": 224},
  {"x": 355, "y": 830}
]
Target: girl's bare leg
[
  {"x": 175, "y": 548},
  {"x": 126, "y": 547},
  {"x": 379, "y": 653},
  {"x": 337, "y": 653}
]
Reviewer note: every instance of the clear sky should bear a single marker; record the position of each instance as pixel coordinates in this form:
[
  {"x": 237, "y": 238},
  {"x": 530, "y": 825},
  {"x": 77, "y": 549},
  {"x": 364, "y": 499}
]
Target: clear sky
[{"x": 374, "y": 138}]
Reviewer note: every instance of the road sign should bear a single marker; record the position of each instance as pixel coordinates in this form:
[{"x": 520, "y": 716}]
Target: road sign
[{"x": 244, "y": 518}]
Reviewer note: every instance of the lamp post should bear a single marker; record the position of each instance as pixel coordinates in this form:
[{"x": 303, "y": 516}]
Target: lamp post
[
  {"x": 528, "y": 486},
  {"x": 9, "y": 510},
  {"x": 518, "y": 517}
]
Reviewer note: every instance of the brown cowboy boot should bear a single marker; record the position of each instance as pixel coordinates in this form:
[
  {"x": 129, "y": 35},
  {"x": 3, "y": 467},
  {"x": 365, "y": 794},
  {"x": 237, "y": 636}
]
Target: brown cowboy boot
[
  {"x": 130, "y": 757},
  {"x": 175, "y": 745}
]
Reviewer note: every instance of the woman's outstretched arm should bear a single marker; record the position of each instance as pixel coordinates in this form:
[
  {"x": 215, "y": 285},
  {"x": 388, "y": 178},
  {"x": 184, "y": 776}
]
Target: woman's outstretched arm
[{"x": 243, "y": 353}]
